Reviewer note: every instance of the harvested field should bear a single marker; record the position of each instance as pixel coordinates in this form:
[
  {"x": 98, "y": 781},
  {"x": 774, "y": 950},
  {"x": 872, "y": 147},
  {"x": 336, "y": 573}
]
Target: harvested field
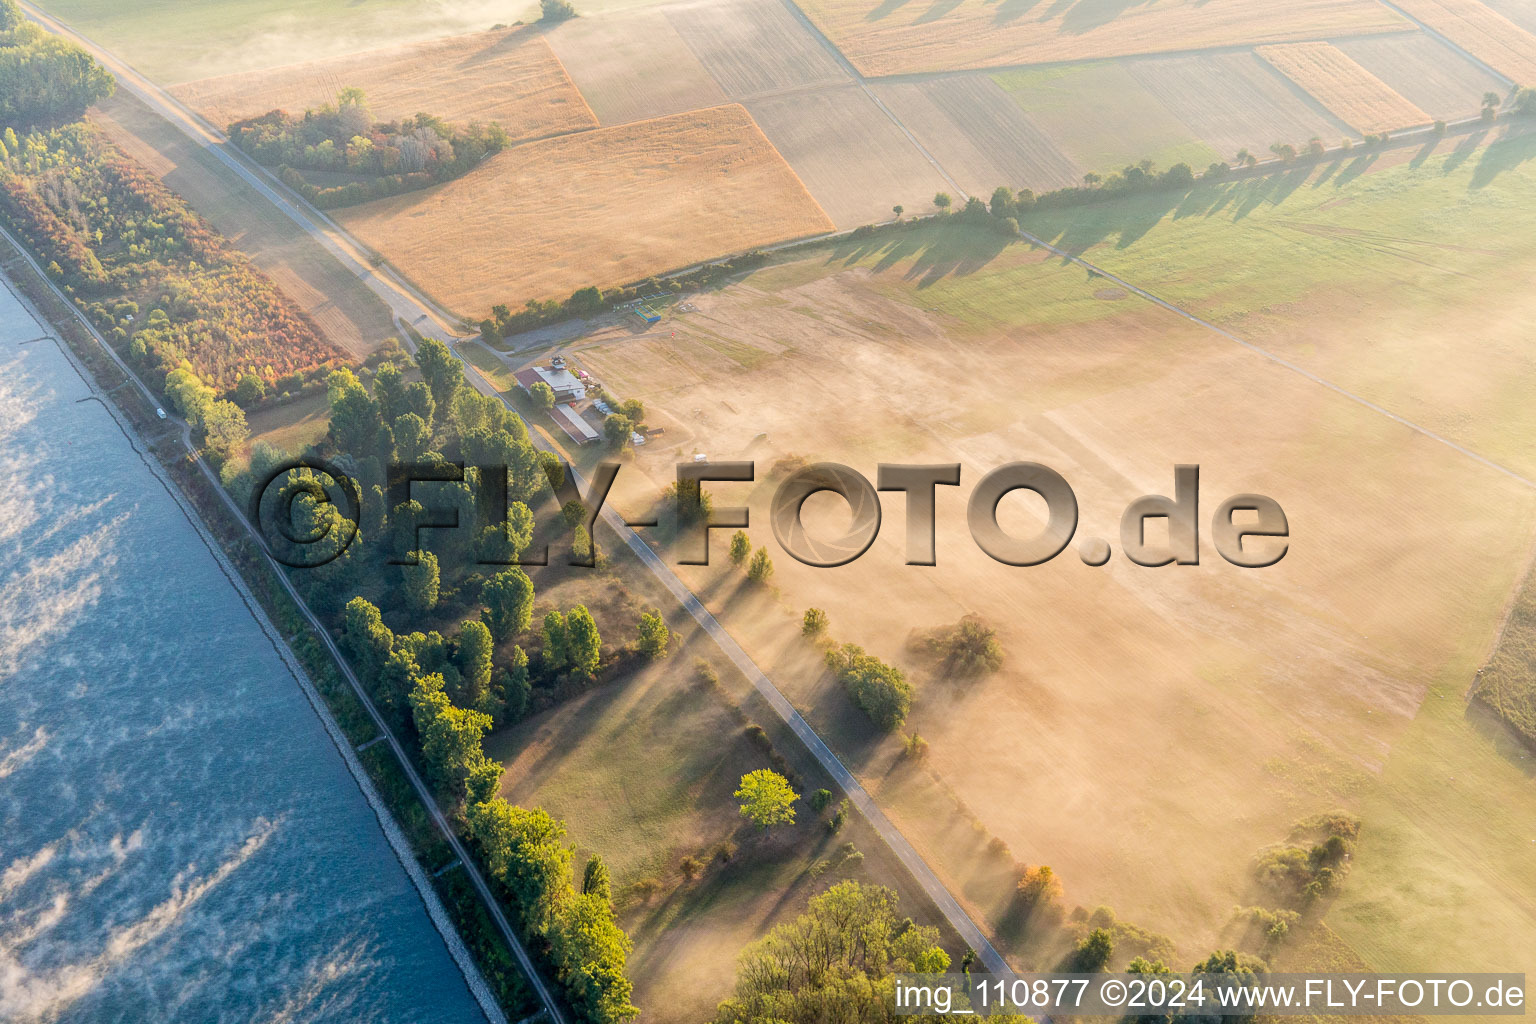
[
  {"x": 853, "y": 159},
  {"x": 1485, "y": 34},
  {"x": 1425, "y": 71},
  {"x": 596, "y": 208},
  {"x": 1521, "y": 12},
  {"x": 753, "y": 47},
  {"x": 349, "y": 315},
  {"x": 632, "y": 66},
  {"x": 882, "y": 38},
  {"x": 976, "y": 131},
  {"x": 1351, "y": 93},
  {"x": 1101, "y": 117},
  {"x": 1234, "y": 101},
  {"x": 510, "y": 77}
]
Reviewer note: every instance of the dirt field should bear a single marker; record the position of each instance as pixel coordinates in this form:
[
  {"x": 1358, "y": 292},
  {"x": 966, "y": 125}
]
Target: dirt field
[
  {"x": 347, "y": 313},
  {"x": 1484, "y": 33},
  {"x": 543, "y": 219},
  {"x": 1234, "y": 101},
  {"x": 979, "y": 134},
  {"x": 1100, "y": 116},
  {"x": 853, "y": 159},
  {"x": 510, "y": 77},
  {"x": 890, "y": 39},
  {"x": 754, "y": 47},
  {"x": 1425, "y": 71},
  {"x": 1351, "y": 93},
  {"x": 632, "y": 65}
]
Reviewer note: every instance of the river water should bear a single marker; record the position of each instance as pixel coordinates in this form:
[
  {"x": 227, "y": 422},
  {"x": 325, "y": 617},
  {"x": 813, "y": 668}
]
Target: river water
[{"x": 180, "y": 839}]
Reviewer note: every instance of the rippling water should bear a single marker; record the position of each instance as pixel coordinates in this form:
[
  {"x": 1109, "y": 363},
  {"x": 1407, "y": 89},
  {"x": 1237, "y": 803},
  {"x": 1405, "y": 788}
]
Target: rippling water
[{"x": 179, "y": 838}]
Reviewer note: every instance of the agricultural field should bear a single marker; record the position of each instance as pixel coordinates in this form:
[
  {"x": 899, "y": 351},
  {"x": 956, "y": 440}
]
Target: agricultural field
[
  {"x": 348, "y": 315},
  {"x": 1484, "y": 33},
  {"x": 1425, "y": 71},
  {"x": 892, "y": 39},
  {"x": 537, "y": 220},
  {"x": 633, "y": 66},
  {"x": 978, "y": 133},
  {"x": 510, "y": 77},
  {"x": 1521, "y": 12},
  {"x": 754, "y": 47},
  {"x": 1351, "y": 93},
  {"x": 1336, "y": 678},
  {"x": 854, "y": 160},
  {"x": 163, "y": 42},
  {"x": 1234, "y": 101},
  {"x": 1101, "y": 117}
]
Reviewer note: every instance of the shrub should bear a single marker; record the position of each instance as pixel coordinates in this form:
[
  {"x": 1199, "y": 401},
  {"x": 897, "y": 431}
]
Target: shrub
[
  {"x": 814, "y": 623},
  {"x": 879, "y": 690}
]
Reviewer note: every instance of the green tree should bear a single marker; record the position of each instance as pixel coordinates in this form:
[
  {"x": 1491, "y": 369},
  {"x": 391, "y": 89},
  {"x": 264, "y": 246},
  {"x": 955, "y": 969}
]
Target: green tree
[
  {"x": 525, "y": 851},
  {"x": 761, "y": 567},
  {"x": 450, "y": 736},
  {"x": 880, "y": 690},
  {"x": 367, "y": 638},
  {"x": 441, "y": 370},
  {"x": 767, "y": 799},
  {"x": 554, "y": 640},
  {"x": 354, "y": 416},
  {"x": 249, "y": 390},
  {"x": 473, "y": 657},
  {"x": 942, "y": 200},
  {"x": 556, "y": 10},
  {"x": 543, "y": 396},
  {"x": 1093, "y": 952},
  {"x": 591, "y": 951},
  {"x": 654, "y": 634},
  {"x": 224, "y": 429},
  {"x": 413, "y": 438},
  {"x": 595, "y": 880},
  {"x": 421, "y": 582},
  {"x": 835, "y": 962},
  {"x": 814, "y": 623},
  {"x": 741, "y": 548},
  {"x": 508, "y": 600},
  {"x": 617, "y": 429},
  {"x": 898, "y": 210},
  {"x": 389, "y": 392},
  {"x": 516, "y": 686},
  {"x": 583, "y": 645},
  {"x": 1002, "y": 201}
]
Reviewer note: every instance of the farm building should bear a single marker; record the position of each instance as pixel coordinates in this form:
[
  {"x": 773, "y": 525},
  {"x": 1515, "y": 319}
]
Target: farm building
[
  {"x": 575, "y": 427},
  {"x": 565, "y": 384}
]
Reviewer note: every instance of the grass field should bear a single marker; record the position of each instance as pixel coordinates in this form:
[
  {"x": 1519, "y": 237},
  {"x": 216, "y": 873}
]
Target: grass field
[
  {"x": 347, "y": 313},
  {"x": 1425, "y": 71},
  {"x": 1484, "y": 33},
  {"x": 538, "y": 220},
  {"x": 642, "y": 771},
  {"x": 883, "y": 38},
  {"x": 1099, "y": 115},
  {"x": 292, "y": 426},
  {"x": 1337, "y": 678},
  {"x": 1351, "y": 93},
  {"x": 511, "y": 77}
]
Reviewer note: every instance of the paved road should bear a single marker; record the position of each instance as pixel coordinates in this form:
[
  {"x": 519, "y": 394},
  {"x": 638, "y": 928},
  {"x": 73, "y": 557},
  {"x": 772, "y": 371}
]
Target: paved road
[
  {"x": 490, "y": 1008},
  {"x": 411, "y": 308}
]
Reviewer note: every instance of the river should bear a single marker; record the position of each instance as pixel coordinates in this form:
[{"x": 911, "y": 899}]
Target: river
[{"x": 180, "y": 838}]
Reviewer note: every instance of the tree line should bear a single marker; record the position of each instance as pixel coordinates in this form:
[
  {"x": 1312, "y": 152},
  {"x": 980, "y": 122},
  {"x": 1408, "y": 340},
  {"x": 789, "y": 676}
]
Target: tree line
[
  {"x": 44, "y": 79},
  {"x": 385, "y": 158}
]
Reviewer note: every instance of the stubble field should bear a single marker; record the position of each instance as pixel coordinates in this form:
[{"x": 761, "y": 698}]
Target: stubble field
[
  {"x": 538, "y": 220},
  {"x": 1482, "y": 32},
  {"x": 1424, "y": 71},
  {"x": 511, "y": 77},
  {"x": 1351, "y": 93},
  {"x": 1152, "y": 729},
  {"x": 887, "y": 39}
]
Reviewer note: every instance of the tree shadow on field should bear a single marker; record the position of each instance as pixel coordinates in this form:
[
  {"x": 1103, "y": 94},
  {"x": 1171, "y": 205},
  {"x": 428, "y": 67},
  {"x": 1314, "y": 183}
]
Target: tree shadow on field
[
  {"x": 1423, "y": 154},
  {"x": 1087, "y": 15},
  {"x": 1358, "y": 166},
  {"x": 885, "y": 10},
  {"x": 1012, "y": 10},
  {"x": 957, "y": 252},
  {"x": 1328, "y": 172},
  {"x": 937, "y": 10},
  {"x": 1463, "y": 151},
  {"x": 1506, "y": 742},
  {"x": 1504, "y": 155}
]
